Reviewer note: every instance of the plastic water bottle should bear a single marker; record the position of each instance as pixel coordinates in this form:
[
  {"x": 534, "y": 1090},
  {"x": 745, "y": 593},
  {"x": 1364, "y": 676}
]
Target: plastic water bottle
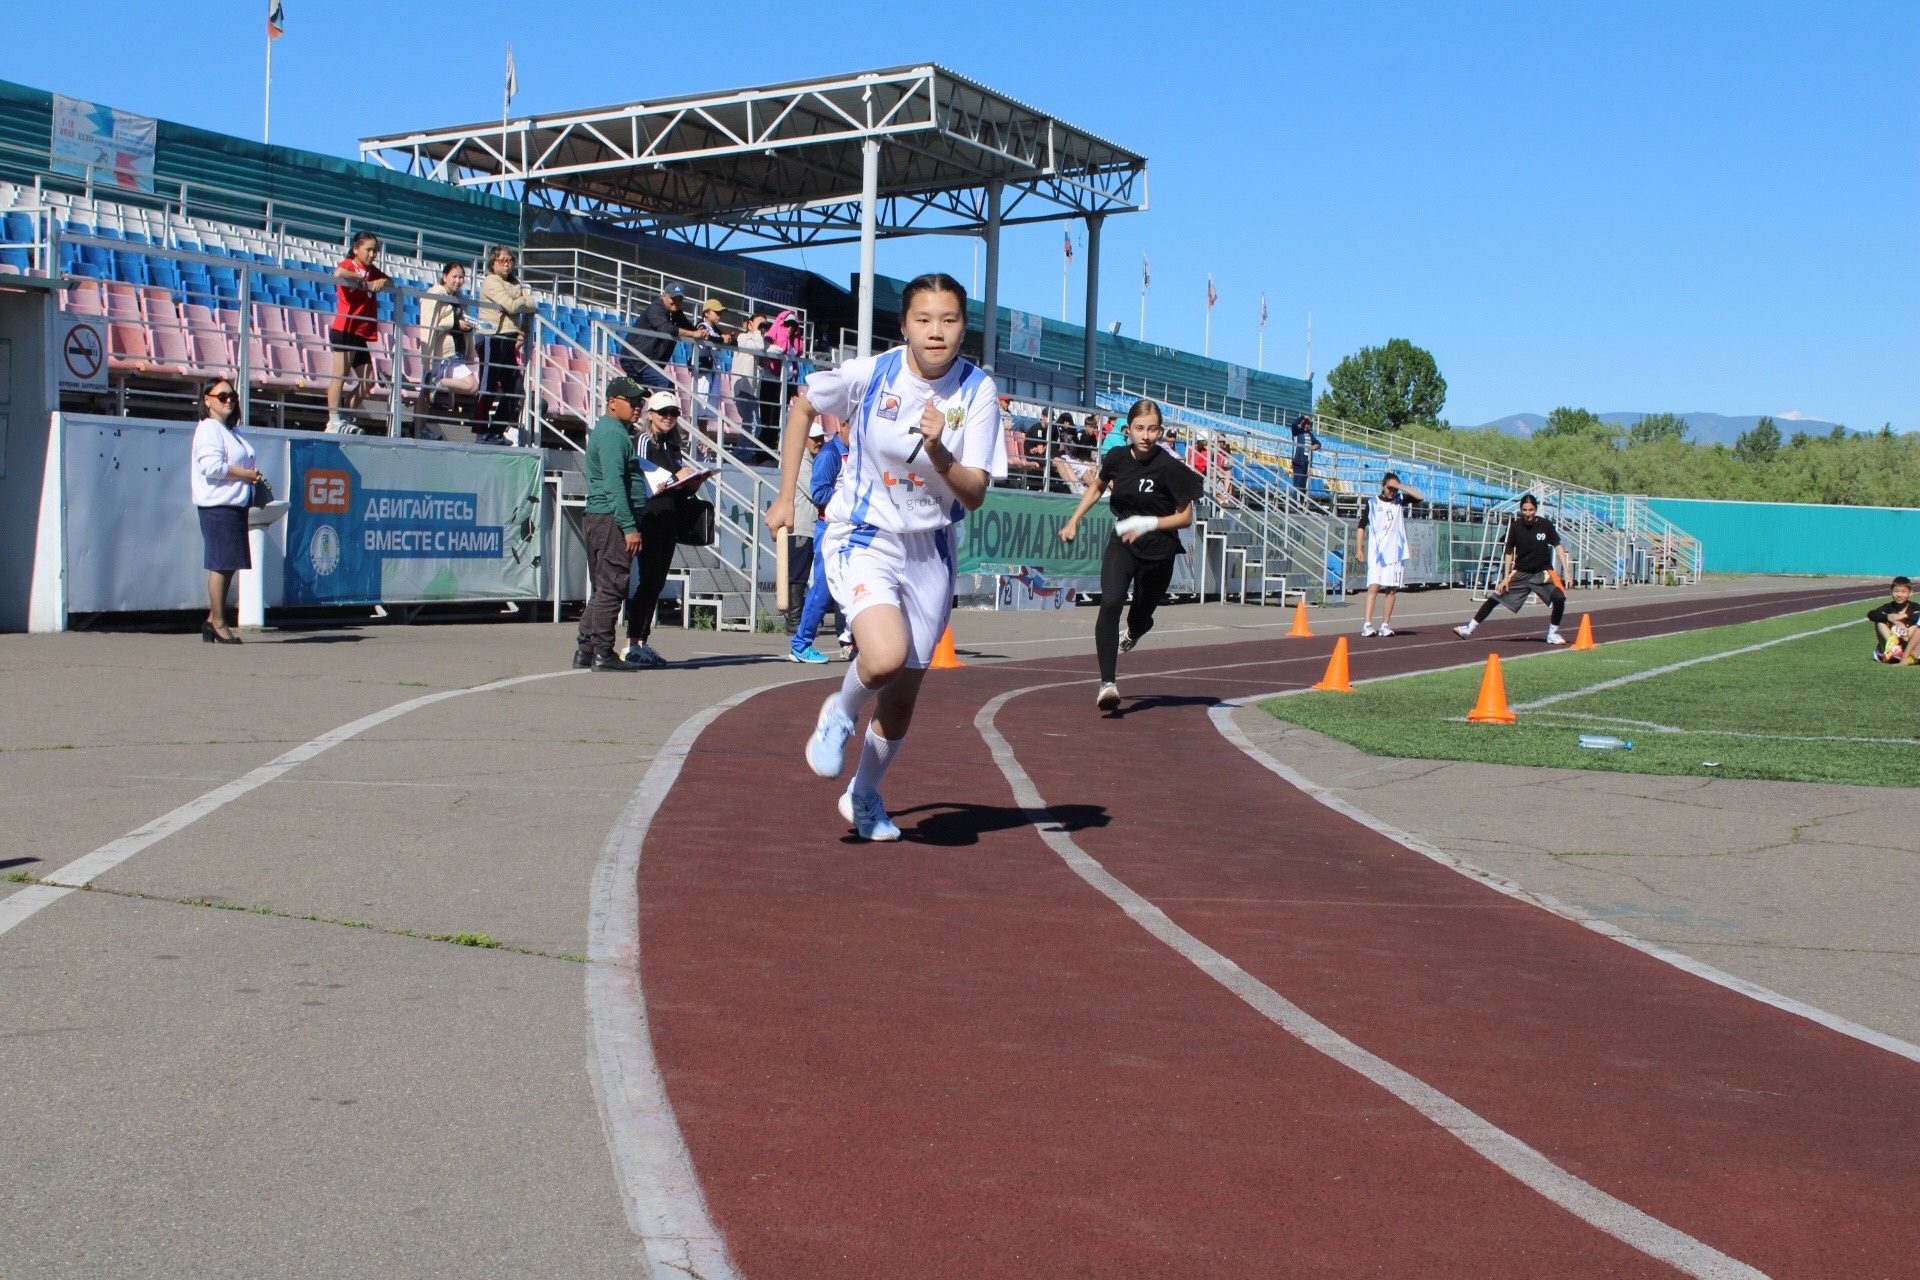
[{"x": 1604, "y": 742}]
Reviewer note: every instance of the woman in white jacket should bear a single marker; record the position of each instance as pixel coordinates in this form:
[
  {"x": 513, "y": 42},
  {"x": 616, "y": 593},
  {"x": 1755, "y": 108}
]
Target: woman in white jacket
[{"x": 224, "y": 473}]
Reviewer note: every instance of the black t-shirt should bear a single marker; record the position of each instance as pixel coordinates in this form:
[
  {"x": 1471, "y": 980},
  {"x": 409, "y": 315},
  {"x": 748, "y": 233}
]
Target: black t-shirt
[
  {"x": 1160, "y": 486},
  {"x": 1890, "y": 613},
  {"x": 663, "y": 452},
  {"x": 1532, "y": 544}
]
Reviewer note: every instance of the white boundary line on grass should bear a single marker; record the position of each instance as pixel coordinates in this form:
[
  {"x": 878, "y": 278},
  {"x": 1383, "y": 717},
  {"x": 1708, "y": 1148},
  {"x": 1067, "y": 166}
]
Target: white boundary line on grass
[
  {"x": 1622, "y": 1221},
  {"x": 1652, "y": 726},
  {"x": 1651, "y": 672},
  {"x": 88, "y": 867},
  {"x": 1222, "y": 717}
]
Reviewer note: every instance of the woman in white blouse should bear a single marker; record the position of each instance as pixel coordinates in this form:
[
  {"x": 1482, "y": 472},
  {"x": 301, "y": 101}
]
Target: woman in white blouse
[{"x": 224, "y": 473}]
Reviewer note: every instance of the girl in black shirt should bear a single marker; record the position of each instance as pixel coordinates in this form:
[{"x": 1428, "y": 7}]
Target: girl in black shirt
[{"x": 1153, "y": 495}]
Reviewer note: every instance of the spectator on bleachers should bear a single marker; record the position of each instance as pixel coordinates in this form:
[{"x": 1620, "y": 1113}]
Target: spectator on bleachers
[
  {"x": 503, "y": 300},
  {"x": 1222, "y": 478},
  {"x": 1305, "y": 445},
  {"x": 1073, "y": 464},
  {"x": 666, "y": 322},
  {"x": 749, "y": 345},
  {"x": 355, "y": 328},
  {"x": 712, "y": 389},
  {"x": 445, "y": 328},
  {"x": 223, "y": 475}
]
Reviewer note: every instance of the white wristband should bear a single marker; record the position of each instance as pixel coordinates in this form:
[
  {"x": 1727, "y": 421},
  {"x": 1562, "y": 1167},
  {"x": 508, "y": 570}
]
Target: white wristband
[{"x": 1136, "y": 525}]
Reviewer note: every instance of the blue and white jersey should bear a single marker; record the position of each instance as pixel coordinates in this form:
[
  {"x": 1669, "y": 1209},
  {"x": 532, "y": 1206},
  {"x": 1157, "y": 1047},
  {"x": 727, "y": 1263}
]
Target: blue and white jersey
[{"x": 887, "y": 482}]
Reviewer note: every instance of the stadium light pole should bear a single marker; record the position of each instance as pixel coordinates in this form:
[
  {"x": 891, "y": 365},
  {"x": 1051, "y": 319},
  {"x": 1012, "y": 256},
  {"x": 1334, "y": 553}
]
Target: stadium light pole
[
  {"x": 869, "y": 220},
  {"x": 990, "y": 296},
  {"x": 1090, "y": 366}
]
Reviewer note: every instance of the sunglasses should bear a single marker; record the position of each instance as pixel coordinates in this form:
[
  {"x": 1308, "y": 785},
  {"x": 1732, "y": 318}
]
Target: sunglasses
[{"x": 224, "y": 397}]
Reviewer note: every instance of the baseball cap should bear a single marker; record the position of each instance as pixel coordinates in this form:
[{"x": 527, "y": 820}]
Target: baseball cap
[
  {"x": 817, "y": 433},
  {"x": 625, "y": 389},
  {"x": 676, "y": 291},
  {"x": 712, "y": 304},
  {"x": 661, "y": 401}
]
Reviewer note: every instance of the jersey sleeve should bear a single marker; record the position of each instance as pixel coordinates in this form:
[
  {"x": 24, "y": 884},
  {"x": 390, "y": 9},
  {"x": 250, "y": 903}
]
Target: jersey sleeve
[
  {"x": 1366, "y": 515},
  {"x": 982, "y": 443},
  {"x": 838, "y": 391},
  {"x": 1553, "y": 534},
  {"x": 1186, "y": 486}
]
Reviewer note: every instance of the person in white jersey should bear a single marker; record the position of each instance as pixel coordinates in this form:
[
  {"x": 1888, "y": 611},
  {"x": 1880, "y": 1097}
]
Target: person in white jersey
[
  {"x": 923, "y": 443},
  {"x": 1383, "y": 540}
]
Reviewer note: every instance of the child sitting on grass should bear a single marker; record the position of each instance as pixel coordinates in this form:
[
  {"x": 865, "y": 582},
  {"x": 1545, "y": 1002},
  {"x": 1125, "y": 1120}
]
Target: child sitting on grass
[{"x": 1896, "y": 626}]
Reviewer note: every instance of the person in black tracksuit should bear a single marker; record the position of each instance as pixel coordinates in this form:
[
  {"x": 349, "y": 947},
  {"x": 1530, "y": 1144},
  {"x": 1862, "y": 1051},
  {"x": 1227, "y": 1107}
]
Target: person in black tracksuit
[
  {"x": 1153, "y": 495},
  {"x": 659, "y": 526}
]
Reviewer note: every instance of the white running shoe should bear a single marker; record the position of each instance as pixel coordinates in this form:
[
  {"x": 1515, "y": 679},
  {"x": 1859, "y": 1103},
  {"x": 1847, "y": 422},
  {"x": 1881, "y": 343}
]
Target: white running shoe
[
  {"x": 1385, "y": 630},
  {"x": 1127, "y": 641},
  {"x": 868, "y": 814},
  {"x": 1554, "y": 636},
  {"x": 1464, "y": 631},
  {"x": 1366, "y": 628},
  {"x": 827, "y": 748},
  {"x": 1108, "y": 699}
]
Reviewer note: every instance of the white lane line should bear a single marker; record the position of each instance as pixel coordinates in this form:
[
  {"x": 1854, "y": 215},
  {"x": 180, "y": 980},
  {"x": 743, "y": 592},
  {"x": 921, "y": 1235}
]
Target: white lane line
[
  {"x": 1651, "y": 672},
  {"x": 1222, "y": 717},
  {"x": 659, "y": 1189},
  {"x": 87, "y": 867},
  {"x": 1585, "y": 1201}
]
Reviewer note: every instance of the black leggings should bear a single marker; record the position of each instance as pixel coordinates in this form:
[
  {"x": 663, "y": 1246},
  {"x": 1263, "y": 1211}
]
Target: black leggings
[
  {"x": 1119, "y": 567},
  {"x": 658, "y": 541}
]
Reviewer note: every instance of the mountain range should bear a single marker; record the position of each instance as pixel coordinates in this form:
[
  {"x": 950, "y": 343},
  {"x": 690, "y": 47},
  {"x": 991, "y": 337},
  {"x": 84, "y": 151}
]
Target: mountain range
[{"x": 1702, "y": 428}]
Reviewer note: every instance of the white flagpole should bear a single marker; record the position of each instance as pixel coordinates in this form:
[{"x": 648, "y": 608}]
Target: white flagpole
[
  {"x": 1309, "y": 346},
  {"x": 266, "y": 119},
  {"x": 1146, "y": 274}
]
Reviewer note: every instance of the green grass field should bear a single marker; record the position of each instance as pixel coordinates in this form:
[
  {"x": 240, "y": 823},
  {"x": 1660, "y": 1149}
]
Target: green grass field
[{"x": 1795, "y": 711}]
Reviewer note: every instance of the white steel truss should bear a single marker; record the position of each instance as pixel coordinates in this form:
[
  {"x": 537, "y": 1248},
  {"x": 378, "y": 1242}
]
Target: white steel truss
[{"x": 781, "y": 167}]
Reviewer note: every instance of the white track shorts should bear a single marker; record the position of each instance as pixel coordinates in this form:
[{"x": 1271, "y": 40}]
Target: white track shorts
[
  {"x": 913, "y": 572},
  {"x": 1387, "y": 576}
]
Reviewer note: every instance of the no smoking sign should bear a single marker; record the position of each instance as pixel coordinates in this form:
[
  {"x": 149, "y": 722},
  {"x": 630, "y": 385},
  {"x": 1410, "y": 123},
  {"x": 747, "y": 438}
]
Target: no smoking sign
[{"x": 83, "y": 353}]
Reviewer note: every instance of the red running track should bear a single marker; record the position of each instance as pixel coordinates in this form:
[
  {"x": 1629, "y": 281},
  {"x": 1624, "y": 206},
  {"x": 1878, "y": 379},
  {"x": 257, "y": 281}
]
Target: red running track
[{"x": 951, "y": 1057}]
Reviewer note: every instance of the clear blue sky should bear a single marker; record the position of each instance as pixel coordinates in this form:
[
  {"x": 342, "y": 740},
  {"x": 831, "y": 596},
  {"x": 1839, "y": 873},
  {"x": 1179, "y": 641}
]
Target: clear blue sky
[{"x": 1620, "y": 206}]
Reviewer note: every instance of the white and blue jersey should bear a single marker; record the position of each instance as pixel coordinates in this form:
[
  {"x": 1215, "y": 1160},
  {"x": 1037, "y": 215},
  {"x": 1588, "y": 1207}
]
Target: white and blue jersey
[{"x": 887, "y": 483}]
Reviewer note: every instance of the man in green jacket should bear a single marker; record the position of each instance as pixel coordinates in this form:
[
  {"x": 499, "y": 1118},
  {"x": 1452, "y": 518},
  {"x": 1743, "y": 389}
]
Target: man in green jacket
[{"x": 616, "y": 493}]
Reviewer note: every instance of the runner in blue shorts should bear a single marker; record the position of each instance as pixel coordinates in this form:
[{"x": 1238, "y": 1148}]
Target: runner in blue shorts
[{"x": 923, "y": 443}]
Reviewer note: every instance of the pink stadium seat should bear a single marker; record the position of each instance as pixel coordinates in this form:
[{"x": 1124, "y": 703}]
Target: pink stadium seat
[
  {"x": 172, "y": 352},
  {"x": 123, "y": 301},
  {"x": 269, "y": 319},
  {"x": 579, "y": 396},
  {"x": 553, "y": 394},
  {"x": 212, "y": 354},
  {"x": 282, "y": 362},
  {"x": 316, "y": 359},
  {"x": 1016, "y": 453},
  {"x": 128, "y": 350},
  {"x": 85, "y": 299}
]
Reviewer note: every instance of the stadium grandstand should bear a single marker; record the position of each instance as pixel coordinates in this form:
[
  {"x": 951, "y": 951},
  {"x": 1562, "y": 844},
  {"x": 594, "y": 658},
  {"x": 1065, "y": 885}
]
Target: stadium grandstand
[{"x": 214, "y": 256}]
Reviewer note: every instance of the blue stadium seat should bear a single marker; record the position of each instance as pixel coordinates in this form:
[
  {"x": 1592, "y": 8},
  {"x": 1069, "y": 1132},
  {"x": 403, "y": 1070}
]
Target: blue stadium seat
[
  {"x": 18, "y": 229},
  {"x": 19, "y": 259}
]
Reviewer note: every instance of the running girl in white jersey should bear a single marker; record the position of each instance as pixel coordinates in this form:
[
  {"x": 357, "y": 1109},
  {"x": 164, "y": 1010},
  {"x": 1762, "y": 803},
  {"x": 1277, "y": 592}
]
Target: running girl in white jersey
[{"x": 924, "y": 441}]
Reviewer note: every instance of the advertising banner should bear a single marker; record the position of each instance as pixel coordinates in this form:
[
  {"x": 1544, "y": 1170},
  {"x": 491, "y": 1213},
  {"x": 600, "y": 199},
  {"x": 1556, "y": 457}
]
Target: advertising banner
[
  {"x": 1023, "y": 335},
  {"x": 1236, "y": 382},
  {"x": 116, "y": 146},
  {"x": 1016, "y": 533},
  {"x": 374, "y": 524}
]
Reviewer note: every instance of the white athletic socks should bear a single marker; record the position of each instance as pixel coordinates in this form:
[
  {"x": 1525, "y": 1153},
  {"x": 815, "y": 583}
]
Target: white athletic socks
[
  {"x": 876, "y": 753},
  {"x": 1467, "y": 630},
  {"x": 853, "y": 696}
]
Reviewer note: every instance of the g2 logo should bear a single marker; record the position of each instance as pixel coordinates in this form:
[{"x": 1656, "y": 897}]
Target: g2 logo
[{"x": 328, "y": 490}]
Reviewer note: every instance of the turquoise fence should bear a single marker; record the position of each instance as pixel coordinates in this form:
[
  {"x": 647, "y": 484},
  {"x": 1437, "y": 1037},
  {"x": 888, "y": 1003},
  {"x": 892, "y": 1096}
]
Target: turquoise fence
[{"x": 1794, "y": 537}]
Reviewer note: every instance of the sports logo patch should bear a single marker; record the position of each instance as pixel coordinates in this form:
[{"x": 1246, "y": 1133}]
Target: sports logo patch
[{"x": 889, "y": 407}]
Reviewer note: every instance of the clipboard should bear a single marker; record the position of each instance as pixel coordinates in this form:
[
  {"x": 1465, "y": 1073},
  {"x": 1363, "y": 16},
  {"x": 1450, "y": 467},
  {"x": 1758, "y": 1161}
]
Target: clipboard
[{"x": 672, "y": 486}]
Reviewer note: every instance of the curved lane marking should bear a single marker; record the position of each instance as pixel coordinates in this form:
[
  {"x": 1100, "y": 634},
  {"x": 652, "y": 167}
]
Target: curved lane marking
[
  {"x": 1222, "y": 717},
  {"x": 88, "y": 867},
  {"x": 1585, "y": 1201},
  {"x": 666, "y": 1210}
]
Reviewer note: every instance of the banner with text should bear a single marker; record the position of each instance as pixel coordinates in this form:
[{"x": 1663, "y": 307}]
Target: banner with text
[
  {"x": 114, "y": 147},
  {"x": 374, "y": 524},
  {"x": 1016, "y": 531}
]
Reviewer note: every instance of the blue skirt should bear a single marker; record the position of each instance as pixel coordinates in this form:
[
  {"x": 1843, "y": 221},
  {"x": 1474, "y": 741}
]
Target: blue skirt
[{"x": 224, "y": 531}]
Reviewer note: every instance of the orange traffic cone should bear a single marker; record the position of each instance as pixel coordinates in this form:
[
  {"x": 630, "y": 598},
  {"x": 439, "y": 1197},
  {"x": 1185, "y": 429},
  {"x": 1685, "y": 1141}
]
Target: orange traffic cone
[
  {"x": 1300, "y": 628},
  {"x": 1335, "y": 681},
  {"x": 1585, "y": 639},
  {"x": 1492, "y": 707},
  {"x": 944, "y": 658}
]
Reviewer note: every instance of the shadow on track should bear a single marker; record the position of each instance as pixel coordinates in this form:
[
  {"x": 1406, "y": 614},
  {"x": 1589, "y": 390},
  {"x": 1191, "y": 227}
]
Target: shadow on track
[
  {"x": 954, "y": 826},
  {"x": 1158, "y": 701}
]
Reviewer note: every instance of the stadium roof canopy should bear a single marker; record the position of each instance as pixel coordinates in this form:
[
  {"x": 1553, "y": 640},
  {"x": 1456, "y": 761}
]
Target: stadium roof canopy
[{"x": 785, "y": 165}]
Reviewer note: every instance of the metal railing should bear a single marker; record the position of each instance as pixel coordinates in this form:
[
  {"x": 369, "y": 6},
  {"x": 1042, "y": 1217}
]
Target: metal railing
[{"x": 600, "y": 282}]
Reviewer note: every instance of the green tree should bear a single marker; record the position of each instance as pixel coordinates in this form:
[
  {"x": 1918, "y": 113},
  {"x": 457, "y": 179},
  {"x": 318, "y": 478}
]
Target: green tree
[
  {"x": 1386, "y": 387},
  {"x": 1577, "y": 424},
  {"x": 1759, "y": 444},
  {"x": 1658, "y": 426}
]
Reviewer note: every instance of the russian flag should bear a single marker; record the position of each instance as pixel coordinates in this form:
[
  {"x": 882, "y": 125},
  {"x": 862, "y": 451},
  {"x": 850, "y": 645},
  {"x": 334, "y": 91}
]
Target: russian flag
[{"x": 276, "y": 20}]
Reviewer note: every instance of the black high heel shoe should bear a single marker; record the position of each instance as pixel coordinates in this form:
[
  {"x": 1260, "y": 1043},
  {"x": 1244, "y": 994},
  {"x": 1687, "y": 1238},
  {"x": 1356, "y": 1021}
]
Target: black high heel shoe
[{"x": 210, "y": 636}]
